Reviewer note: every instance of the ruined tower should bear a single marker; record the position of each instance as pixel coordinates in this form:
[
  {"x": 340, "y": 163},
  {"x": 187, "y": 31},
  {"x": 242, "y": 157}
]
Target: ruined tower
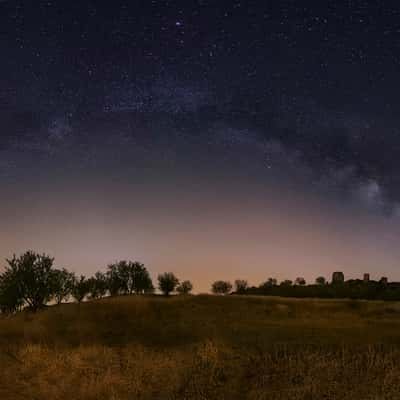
[{"x": 337, "y": 277}]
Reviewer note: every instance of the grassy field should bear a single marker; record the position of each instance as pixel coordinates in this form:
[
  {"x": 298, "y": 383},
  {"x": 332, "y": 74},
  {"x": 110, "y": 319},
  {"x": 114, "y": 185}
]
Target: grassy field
[{"x": 203, "y": 347}]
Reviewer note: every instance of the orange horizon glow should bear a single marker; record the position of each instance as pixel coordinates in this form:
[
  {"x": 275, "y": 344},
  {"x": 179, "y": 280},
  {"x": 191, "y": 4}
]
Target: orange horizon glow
[{"x": 204, "y": 235}]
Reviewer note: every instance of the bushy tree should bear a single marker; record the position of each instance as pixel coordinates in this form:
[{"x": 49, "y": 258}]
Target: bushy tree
[
  {"x": 268, "y": 284},
  {"x": 320, "y": 281},
  {"x": 80, "y": 288},
  {"x": 167, "y": 282},
  {"x": 221, "y": 287},
  {"x": 128, "y": 277},
  {"x": 98, "y": 285},
  {"x": 286, "y": 283},
  {"x": 300, "y": 281},
  {"x": 10, "y": 297},
  {"x": 241, "y": 285},
  {"x": 139, "y": 280},
  {"x": 63, "y": 284},
  {"x": 117, "y": 278},
  {"x": 184, "y": 287},
  {"x": 29, "y": 280},
  {"x": 272, "y": 281}
]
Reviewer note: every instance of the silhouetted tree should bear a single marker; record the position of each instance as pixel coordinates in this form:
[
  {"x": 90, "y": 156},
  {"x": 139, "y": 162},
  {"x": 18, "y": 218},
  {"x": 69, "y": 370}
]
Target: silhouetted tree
[
  {"x": 31, "y": 278},
  {"x": 167, "y": 282},
  {"x": 80, "y": 289},
  {"x": 98, "y": 285},
  {"x": 63, "y": 284},
  {"x": 10, "y": 297},
  {"x": 286, "y": 283},
  {"x": 320, "y": 281},
  {"x": 240, "y": 286},
  {"x": 268, "y": 284},
  {"x": 128, "y": 277},
  {"x": 139, "y": 280},
  {"x": 184, "y": 287},
  {"x": 117, "y": 278},
  {"x": 300, "y": 281},
  {"x": 383, "y": 281},
  {"x": 221, "y": 287},
  {"x": 271, "y": 282}
]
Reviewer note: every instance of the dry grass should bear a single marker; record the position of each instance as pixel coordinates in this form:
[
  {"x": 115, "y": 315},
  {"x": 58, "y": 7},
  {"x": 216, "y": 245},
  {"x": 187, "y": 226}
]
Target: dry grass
[{"x": 203, "y": 348}]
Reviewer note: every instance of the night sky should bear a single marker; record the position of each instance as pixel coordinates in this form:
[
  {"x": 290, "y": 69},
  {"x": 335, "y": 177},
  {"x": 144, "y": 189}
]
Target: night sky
[{"x": 215, "y": 139}]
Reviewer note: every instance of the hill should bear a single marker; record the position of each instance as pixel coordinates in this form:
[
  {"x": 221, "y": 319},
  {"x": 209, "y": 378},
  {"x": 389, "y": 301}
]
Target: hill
[{"x": 203, "y": 347}]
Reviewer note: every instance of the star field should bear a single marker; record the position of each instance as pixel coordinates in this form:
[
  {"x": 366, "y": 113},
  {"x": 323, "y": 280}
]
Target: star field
[{"x": 287, "y": 96}]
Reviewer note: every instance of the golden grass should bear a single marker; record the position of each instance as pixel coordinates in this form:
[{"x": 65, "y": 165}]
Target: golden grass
[{"x": 203, "y": 347}]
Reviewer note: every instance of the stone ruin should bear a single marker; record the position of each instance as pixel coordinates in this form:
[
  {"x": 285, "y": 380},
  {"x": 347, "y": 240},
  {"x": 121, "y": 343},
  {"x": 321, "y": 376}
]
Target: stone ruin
[{"x": 338, "y": 277}]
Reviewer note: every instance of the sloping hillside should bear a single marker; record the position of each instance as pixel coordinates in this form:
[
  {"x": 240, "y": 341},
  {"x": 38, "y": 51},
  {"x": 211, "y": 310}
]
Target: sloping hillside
[{"x": 203, "y": 347}]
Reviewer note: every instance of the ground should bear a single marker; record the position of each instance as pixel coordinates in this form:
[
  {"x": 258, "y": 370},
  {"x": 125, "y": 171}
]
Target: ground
[{"x": 203, "y": 347}]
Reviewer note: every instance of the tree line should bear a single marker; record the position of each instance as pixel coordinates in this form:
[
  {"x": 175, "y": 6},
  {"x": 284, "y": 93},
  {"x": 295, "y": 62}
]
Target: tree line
[
  {"x": 320, "y": 288},
  {"x": 31, "y": 281}
]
